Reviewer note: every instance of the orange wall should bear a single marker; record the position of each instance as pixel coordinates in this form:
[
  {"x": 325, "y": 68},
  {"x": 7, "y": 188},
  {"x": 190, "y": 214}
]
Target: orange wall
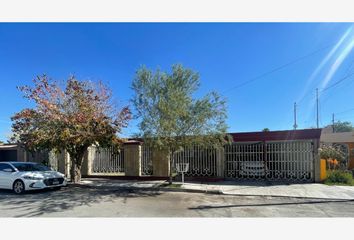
[{"x": 323, "y": 170}]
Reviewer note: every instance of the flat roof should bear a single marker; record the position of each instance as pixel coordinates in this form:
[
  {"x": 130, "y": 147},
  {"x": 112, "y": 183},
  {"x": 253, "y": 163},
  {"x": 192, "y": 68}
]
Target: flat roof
[
  {"x": 8, "y": 146},
  {"x": 302, "y": 134}
]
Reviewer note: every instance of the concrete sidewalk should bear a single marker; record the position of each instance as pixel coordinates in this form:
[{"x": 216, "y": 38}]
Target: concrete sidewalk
[{"x": 306, "y": 190}]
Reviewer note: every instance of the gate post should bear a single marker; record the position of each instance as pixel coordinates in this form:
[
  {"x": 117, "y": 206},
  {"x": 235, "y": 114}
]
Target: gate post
[
  {"x": 132, "y": 159},
  {"x": 64, "y": 163},
  {"x": 220, "y": 162},
  {"x": 264, "y": 146},
  {"x": 90, "y": 156},
  {"x": 86, "y": 169},
  {"x": 84, "y": 166},
  {"x": 316, "y": 160}
]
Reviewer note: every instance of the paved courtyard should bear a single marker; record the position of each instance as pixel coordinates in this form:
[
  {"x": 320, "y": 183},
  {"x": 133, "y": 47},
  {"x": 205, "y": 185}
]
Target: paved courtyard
[{"x": 90, "y": 201}]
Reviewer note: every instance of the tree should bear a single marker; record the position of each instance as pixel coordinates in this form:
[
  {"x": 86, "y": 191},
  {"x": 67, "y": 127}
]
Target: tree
[
  {"x": 70, "y": 117},
  {"x": 265, "y": 130},
  {"x": 1, "y": 142},
  {"x": 342, "y": 126},
  {"x": 171, "y": 118},
  {"x": 333, "y": 154}
]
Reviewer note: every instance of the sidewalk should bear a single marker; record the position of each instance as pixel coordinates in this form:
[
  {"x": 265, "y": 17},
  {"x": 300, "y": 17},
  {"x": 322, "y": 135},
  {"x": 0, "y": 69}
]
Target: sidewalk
[{"x": 306, "y": 190}]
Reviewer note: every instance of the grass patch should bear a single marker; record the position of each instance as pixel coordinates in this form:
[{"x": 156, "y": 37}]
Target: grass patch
[{"x": 339, "y": 177}]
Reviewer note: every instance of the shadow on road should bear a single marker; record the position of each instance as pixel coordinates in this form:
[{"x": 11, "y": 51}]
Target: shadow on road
[
  {"x": 36, "y": 203},
  {"x": 204, "y": 207}
]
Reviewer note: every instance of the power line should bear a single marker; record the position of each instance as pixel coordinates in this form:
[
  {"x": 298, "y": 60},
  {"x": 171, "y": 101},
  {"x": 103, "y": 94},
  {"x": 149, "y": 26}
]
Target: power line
[
  {"x": 349, "y": 110},
  {"x": 339, "y": 81},
  {"x": 278, "y": 68},
  {"x": 329, "y": 87},
  {"x": 334, "y": 85},
  {"x": 345, "y": 119},
  {"x": 329, "y": 95},
  {"x": 338, "y": 113},
  {"x": 346, "y": 76}
]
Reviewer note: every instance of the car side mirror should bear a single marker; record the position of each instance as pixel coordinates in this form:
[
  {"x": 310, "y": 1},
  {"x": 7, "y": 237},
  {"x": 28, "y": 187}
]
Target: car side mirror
[{"x": 7, "y": 170}]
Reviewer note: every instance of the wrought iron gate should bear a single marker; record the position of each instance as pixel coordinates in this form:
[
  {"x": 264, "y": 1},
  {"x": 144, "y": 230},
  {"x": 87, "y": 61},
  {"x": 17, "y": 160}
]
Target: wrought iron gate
[
  {"x": 146, "y": 160},
  {"x": 108, "y": 160},
  {"x": 244, "y": 160},
  {"x": 285, "y": 160},
  {"x": 202, "y": 161}
]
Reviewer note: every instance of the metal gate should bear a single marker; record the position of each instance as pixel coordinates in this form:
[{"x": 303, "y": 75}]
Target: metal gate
[
  {"x": 108, "y": 160},
  {"x": 283, "y": 160},
  {"x": 201, "y": 160},
  {"x": 146, "y": 160}
]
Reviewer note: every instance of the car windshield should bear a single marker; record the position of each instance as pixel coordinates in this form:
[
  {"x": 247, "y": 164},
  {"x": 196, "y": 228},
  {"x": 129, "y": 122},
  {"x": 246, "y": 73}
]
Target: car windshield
[{"x": 27, "y": 167}]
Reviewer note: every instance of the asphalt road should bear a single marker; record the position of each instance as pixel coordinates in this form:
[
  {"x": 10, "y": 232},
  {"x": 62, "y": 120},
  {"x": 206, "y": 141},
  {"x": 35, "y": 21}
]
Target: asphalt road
[{"x": 79, "y": 201}]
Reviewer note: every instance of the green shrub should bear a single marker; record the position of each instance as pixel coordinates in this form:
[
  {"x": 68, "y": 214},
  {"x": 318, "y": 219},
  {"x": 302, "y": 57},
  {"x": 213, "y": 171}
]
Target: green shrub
[{"x": 339, "y": 177}]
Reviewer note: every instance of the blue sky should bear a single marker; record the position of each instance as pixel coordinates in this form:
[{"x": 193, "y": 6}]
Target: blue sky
[{"x": 225, "y": 55}]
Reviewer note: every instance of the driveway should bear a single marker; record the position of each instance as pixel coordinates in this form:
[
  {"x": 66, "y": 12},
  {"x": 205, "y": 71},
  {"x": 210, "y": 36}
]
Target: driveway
[{"x": 89, "y": 201}]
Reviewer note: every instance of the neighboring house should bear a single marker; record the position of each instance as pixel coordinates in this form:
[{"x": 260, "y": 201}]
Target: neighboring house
[
  {"x": 345, "y": 138},
  {"x": 11, "y": 152},
  {"x": 14, "y": 153}
]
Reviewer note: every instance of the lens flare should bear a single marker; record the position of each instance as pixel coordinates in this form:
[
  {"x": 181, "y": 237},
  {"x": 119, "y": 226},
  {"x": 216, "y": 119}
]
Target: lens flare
[
  {"x": 337, "y": 55},
  {"x": 338, "y": 62},
  {"x": 324, "y": 62}
]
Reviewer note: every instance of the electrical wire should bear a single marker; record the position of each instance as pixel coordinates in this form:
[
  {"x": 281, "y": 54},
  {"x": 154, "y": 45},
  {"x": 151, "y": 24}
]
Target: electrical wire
[
  {"x": 339, "y": 81},
  {"x": 348, "y": 110},
  {"x": 277, "y": 68}
]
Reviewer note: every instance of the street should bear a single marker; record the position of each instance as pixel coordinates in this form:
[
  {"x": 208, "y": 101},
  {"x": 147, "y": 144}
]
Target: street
[{"x": 84, "y": 201}]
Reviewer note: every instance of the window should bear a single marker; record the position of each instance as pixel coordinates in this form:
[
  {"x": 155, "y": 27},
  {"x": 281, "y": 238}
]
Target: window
[
  {"x": 27, "y": 167},
  {"x": 4, "y": 166}
]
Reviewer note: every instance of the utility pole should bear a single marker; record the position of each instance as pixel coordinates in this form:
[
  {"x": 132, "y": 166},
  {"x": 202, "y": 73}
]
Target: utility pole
[
  {"x": 332, "y": 122},
  {"x": 317, "y": 123},
  {"x": 295, "y": 125}
]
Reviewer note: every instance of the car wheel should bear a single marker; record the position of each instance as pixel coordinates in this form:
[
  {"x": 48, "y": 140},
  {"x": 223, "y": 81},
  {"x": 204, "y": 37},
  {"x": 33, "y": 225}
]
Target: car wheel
[{"x": 18, "y": 187}]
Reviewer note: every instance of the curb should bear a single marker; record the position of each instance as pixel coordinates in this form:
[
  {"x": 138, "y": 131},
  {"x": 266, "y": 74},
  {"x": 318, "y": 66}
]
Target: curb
[
  {"x": 283, "y": 196},
  {"x": 190, "y": 190},
  {"x": 216, "y": 192},
  {"x": 158, "y": 188}
]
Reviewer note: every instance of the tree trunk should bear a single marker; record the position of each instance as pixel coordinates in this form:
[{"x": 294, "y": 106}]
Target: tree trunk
[
  {"x": 75, "y": 172},
  {"x": 76, "y": 163}
]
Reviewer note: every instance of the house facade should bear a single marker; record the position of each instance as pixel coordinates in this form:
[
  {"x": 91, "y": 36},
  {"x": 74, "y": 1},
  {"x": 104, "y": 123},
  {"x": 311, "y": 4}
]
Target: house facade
[
  {"x": 344, "y": 138},
  {"x": 272, "y": 156}
]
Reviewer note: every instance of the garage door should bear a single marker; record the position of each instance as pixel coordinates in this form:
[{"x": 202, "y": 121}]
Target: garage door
[{"x": 282, "y": 160}]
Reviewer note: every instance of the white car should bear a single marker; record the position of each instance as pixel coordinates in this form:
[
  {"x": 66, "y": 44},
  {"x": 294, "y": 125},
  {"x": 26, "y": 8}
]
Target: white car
[{"x": 23, "y": 176}]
